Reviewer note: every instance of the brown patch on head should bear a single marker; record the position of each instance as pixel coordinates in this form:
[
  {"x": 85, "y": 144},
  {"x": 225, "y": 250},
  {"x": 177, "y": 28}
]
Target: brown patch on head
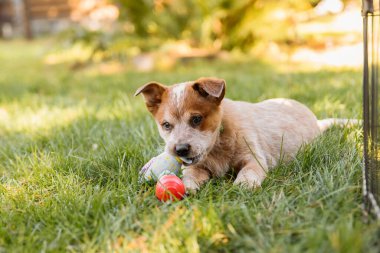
[
  {"x": 201, "y": 97},
  {"x": 165, "y": 109},
  {"x": 204, "y": 97},
  {"x": 196, "y": 104}
]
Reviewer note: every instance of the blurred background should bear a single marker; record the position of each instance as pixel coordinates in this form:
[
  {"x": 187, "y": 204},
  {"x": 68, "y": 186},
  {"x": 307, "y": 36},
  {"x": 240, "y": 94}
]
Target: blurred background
[
  {"x": 158, "y": 34},
  {"x": 73, "y": 137}
]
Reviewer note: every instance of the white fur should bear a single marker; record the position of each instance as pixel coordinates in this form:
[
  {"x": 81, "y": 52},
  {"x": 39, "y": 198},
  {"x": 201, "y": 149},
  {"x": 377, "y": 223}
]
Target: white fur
[
  {"x": 179, "y": 92},
  {"x": 324, "y": 124}
]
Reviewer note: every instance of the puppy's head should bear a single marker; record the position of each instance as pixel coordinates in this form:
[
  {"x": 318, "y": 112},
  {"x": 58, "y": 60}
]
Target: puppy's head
[{"x": 188, "y": 115}]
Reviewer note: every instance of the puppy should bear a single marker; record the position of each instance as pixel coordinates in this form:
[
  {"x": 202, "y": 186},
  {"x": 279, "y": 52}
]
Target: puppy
[{"x": 212, "y": 134}]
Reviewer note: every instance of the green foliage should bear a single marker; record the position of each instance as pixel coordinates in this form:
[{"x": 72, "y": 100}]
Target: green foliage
[
  {"x": 149, "y": 25},
  {"x": 72, "y": 144},
  {"x": 230, "y": 23}
]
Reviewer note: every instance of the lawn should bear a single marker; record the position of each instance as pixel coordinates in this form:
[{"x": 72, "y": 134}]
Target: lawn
[{"x": 72, "y": 144}]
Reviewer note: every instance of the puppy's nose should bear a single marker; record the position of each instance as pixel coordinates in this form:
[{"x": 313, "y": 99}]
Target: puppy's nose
[{"x": 182, "y": 149}]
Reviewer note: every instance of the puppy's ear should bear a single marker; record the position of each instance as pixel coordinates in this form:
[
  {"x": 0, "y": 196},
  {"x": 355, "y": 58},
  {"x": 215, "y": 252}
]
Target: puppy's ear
[
  {"x": 210, "y": 88},
  {"x": 152, "y": 93}
]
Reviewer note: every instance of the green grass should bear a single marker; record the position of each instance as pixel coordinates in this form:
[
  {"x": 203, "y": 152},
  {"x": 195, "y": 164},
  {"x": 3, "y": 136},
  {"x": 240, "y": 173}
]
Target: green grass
[{"x": 72, "y": 144}]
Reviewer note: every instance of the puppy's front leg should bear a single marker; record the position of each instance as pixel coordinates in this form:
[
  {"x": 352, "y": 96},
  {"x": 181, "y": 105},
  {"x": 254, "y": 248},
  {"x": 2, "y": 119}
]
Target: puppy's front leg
[
  {"x": 251, "y": 175},
  {"x": 194, "y": 177}
]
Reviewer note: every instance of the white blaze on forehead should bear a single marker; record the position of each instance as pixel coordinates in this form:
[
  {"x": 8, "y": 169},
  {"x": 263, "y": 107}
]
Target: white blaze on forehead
[{"x": 178, "y": 92}]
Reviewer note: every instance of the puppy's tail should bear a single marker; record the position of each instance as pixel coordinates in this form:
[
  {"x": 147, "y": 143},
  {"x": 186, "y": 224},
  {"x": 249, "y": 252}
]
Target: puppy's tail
[{"x": 325, "y": 124}]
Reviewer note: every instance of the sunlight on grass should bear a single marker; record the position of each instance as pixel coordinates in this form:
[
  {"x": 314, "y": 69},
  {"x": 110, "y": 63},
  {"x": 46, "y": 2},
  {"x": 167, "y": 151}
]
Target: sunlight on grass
[
  {"x": 328, "y": 105},
  {"x": 47, "y": 118},
  {"x": 75, "y": 53},
  {"x": 177, "y": 230},
  {"x": 72, "y": 143},
  {"x": 44, "y": 119}
]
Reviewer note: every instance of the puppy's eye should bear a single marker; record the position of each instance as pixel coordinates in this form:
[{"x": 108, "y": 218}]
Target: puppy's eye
[
  {"x": 166, "y": 126},
  {"x": 196, "y": 120}
]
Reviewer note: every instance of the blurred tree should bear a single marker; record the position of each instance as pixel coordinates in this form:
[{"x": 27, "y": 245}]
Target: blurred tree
[
  {"x": 225, "y": 23},
  {"x": 146, "y": 25}
]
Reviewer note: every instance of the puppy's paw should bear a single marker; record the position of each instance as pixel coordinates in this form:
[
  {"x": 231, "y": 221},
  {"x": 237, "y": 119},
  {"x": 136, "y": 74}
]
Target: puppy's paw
[
  {"x": 248, "y": 179},
  {"x": 190, "y": 185}
]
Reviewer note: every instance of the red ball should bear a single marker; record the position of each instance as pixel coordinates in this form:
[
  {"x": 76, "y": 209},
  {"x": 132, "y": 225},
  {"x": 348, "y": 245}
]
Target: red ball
[{"x": 170, "y": 187}]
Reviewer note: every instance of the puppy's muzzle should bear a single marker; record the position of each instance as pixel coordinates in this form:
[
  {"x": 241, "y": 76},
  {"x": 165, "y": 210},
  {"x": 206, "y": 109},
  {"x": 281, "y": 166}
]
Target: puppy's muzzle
[{"x": 182, "y": 150}]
